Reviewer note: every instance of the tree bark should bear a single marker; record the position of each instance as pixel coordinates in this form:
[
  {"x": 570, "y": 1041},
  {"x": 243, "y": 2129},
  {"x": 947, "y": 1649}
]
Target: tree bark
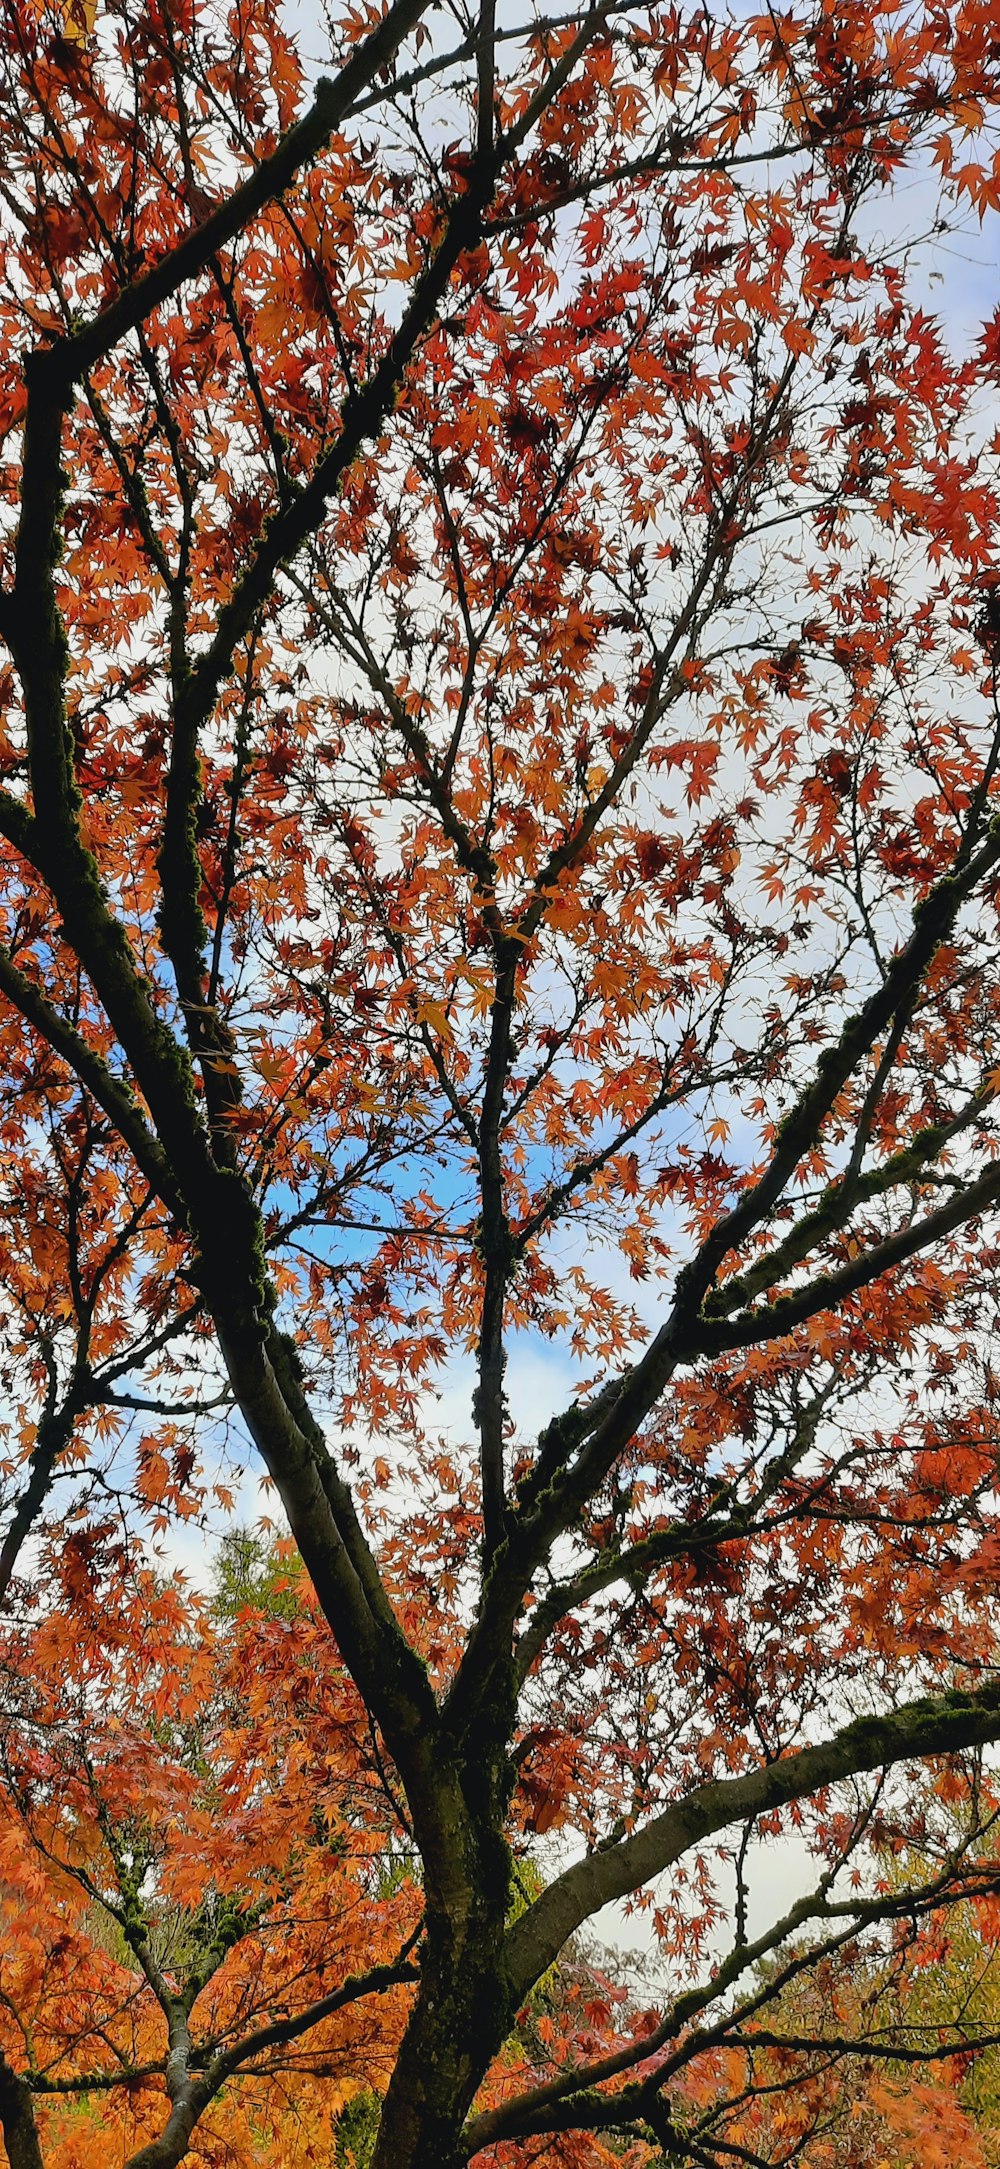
[
  {"x": 458, "y": 2023},
  {"x": 464, "y": 2006},
  {"x": 17, "y": 2119}
]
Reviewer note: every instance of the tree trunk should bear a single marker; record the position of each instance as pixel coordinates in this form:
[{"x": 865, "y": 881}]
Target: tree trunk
[
  {"x": 464, "y": 2003},
  {"x": 17, "y": 2117},
  {"x": 456, "y": 2028},
  {"x": 463, "y": 2008}
]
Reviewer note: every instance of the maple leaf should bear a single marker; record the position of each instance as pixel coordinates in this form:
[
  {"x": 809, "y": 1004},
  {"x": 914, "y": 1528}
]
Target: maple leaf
[{"x": 498, "y": 665}]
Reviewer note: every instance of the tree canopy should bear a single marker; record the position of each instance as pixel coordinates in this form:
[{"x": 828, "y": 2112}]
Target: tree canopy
[{"x": 499, "y": 1030}]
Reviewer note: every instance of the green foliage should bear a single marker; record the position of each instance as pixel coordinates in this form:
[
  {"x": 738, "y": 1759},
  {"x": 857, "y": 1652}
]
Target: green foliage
[
  {"x": 250, "y": 1573},
  {"x": 357, "y": 2130}
]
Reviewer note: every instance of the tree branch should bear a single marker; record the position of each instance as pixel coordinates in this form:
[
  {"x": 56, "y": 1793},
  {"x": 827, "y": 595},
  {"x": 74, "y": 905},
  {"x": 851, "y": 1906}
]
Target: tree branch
[
  {"x": 332, "y": 104},
  {"x": 932, "y": 1726}
]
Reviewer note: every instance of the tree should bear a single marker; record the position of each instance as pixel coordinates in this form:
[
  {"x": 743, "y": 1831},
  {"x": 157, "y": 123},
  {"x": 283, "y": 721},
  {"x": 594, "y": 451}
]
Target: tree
[
  {"x": 499, "y": 854},
  {"x": 190, "y": 1826},
  {"x": 195, "y": 1822},
  {"x": 829, "y": 2064}
]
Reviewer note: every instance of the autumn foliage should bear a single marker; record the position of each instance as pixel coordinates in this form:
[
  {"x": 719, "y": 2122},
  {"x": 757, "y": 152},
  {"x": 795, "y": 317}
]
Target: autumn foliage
[{"x": 500, "y": 1036}]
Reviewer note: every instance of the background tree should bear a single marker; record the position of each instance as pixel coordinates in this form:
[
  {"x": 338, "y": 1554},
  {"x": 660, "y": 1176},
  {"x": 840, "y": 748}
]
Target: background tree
[
  {"x": 886, "y": 2050},
  {"x": 498, "y": 852},
  {"x": 195, "y": 1842}
]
